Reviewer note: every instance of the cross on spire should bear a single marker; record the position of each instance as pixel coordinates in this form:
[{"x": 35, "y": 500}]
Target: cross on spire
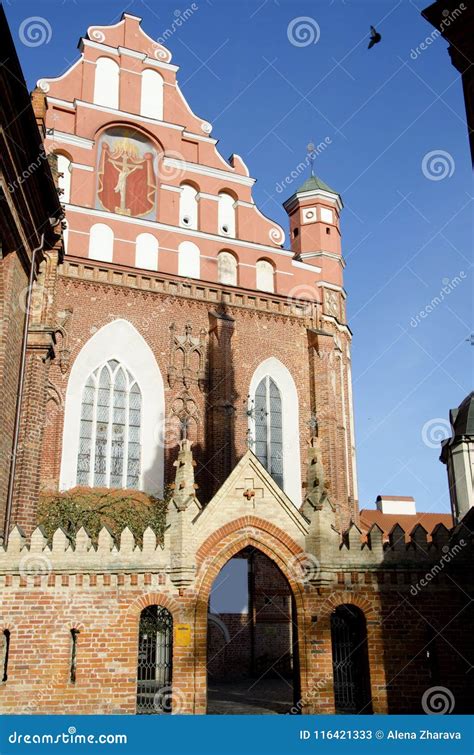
[{"x": 311, "y": 148}]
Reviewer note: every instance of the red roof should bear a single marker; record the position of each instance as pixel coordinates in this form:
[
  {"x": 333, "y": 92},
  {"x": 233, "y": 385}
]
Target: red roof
[{"x": 407, "y": 522}]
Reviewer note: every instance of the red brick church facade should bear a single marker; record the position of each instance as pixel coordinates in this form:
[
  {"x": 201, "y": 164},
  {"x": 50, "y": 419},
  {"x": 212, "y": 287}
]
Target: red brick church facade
[{"x": 180, "y": 341}]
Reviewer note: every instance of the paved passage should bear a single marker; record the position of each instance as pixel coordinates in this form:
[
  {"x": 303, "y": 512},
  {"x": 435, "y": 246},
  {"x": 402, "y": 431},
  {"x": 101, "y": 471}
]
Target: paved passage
[{"x": 250, "y": 697}]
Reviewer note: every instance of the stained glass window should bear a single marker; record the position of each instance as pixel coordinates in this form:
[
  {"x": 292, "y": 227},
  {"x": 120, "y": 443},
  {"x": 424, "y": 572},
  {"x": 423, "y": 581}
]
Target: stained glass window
[
  {"x": 109, "y": 439},
  {"x": 269, "y": 428}
]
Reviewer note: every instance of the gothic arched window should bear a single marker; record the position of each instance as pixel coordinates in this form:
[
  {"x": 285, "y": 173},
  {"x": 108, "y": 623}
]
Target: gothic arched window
[
  {"x": 273, "y": 417},
  {"x": 269, "y": 428},
  {"x": 109, "y": 436}
]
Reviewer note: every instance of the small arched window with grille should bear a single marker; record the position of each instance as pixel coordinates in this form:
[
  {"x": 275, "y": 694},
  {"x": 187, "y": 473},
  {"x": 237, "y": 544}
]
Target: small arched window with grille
[
  {"x": 350, "y": 660},
  {"x": 109, "y": 442},
  {"x": 269, "y": 428},
  {"x": 155, "y": 661}
]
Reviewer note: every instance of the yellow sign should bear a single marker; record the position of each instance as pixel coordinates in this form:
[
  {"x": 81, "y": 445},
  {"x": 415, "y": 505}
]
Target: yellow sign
[{"x": 182, "y": 635}]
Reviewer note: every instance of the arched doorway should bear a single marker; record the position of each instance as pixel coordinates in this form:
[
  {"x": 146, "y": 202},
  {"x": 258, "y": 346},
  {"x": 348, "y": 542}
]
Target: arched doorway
[
  {"x": 252, "y": 638},
  {"x": 155, "y": 661},
  {"x": 350, "y": 660}
]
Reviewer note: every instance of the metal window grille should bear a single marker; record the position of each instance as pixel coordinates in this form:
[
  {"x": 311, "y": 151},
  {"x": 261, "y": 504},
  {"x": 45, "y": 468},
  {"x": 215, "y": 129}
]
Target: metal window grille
[
  {"x": 155, "y": 661},
  {"x": 350, "y": 661}
]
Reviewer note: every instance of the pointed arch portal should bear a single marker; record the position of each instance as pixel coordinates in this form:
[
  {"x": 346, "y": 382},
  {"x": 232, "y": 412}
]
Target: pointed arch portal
[{"x": 252, "y": 650}]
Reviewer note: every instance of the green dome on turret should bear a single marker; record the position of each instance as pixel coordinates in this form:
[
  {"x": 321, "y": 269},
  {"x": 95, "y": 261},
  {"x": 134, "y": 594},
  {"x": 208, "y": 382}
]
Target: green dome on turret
[{"x": 313, "y": 183}]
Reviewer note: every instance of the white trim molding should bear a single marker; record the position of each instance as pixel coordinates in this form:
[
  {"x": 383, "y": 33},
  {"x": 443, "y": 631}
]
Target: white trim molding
[
  {"x": 77, "y": 141},
  {"x": 306, "y": 266},
  {"x": 177, "y": 229},
  {"x": 205, "y": 170},
  {"x": 118, "y": 340}
]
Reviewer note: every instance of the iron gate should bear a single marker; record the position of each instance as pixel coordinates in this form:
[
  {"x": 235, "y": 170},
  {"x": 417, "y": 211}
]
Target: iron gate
[
  {"x": 350, "y": 661},
  {"x": 155, "y": 661}
]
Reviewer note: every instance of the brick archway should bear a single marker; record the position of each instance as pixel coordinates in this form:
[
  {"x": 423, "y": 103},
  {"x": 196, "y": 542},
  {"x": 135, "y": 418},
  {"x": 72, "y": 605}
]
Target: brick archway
[
  {"x": 213, "y": 555},
  {"x": 340, "y": 598},
  {"x": 134, "y": 610}
]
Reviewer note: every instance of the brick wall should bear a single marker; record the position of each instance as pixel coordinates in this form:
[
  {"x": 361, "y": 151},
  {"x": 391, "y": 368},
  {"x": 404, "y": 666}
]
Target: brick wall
[
  {"x": 39, "y": 612},
  {"x": 239, "y": 339},
  {"x": 13, "y": 283}
]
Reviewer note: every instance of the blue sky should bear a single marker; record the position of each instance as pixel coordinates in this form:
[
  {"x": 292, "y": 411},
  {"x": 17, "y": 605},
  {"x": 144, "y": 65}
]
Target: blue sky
[{"x": 386, "y": 114}]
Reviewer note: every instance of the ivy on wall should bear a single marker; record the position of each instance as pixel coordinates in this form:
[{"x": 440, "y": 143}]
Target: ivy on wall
[{"x": 94, "y": 508}]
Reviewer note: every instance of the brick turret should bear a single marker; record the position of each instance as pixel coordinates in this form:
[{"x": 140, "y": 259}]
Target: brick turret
[{"x": 314, "y": 227}]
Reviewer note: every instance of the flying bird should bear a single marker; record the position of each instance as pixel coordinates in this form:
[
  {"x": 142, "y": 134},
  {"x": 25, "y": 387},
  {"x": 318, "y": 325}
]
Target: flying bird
[{"x": 374, "y": 37}]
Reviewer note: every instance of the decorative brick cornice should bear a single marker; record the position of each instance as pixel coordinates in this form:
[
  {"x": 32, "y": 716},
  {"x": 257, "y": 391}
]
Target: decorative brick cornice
[{"x": 253, "y": 303}]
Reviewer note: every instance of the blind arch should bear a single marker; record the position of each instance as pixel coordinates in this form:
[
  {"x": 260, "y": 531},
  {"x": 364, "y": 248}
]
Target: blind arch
[
  {"x": 151, "y": 102},
  {"x": 106, "y": 84}
]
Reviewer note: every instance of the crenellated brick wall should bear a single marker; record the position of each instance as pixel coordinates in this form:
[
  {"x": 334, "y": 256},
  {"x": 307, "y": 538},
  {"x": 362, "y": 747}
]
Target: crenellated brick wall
[{"x": 100, "y": 589}]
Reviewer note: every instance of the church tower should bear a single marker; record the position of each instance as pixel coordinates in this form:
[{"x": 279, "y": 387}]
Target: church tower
[
  {"x": 315, "y": 236},
  {"x": 179, "y": 299}
]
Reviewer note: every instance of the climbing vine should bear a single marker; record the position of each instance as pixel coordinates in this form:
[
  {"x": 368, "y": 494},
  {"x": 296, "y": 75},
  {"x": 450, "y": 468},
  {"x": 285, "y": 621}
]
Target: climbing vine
[{"x": 94, "y": 508}]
